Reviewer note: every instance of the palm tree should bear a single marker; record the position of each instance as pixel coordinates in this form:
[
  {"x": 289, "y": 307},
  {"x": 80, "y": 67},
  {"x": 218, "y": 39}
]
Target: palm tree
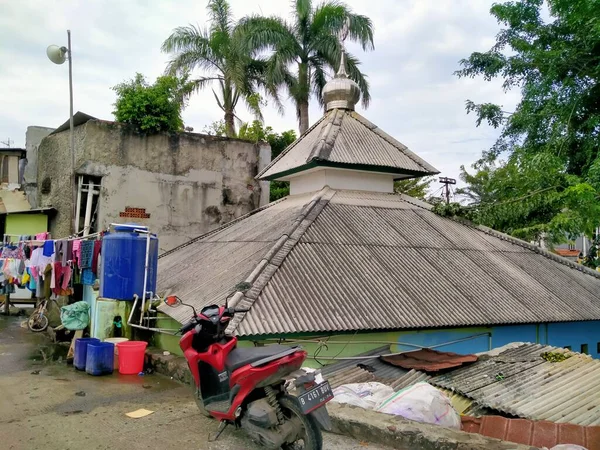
[
  {"x": 311, "y": 42},
  {"x": 224, "y": 61}
]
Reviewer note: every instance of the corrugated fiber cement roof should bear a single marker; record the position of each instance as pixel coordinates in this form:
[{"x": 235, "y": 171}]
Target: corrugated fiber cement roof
[{"x": 346, "y": 260}]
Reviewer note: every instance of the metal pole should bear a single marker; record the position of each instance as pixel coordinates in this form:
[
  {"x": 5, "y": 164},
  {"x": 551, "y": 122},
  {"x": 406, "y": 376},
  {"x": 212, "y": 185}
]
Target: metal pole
[{"x": 72, "y": 135}]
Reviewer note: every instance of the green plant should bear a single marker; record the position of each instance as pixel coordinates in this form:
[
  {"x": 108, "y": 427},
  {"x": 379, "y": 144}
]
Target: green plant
[
  {"x": 414, "y": 187},
  {"x": 310, "y": 43},
  {"x": 152, "y": 108},
  {"x": 541, "y": 179},
  {"x": 220, "y": 54}
]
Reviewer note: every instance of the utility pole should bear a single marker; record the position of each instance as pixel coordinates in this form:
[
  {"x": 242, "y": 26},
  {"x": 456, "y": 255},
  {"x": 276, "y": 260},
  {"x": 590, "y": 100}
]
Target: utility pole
[
  {"x": 447, "y": 182},
  {"x": 8, "y": 142}
]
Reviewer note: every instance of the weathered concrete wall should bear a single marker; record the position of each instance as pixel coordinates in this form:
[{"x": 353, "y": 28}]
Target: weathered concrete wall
[
  {"x": 33, "y": 138},
  {"x": 187, "y": 183}
]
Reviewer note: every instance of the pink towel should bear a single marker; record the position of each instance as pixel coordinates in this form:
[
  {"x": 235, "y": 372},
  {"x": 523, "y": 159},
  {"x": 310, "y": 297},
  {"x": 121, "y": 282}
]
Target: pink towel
[
  {"x": 77, "y": 252},
  {"x": 42, "y": 236}
]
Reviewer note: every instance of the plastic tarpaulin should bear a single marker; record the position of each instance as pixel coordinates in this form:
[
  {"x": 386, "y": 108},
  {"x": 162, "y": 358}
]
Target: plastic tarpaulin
[{"x": 75, "y": 316}]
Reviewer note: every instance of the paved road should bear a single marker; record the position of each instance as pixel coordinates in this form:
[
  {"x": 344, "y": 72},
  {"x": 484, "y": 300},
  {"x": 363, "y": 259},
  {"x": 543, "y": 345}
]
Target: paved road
[{"x": 60, "y": 408}]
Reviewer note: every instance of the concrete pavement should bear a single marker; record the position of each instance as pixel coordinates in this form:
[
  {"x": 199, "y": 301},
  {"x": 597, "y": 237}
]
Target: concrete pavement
[{"x": 51, "y": 406}]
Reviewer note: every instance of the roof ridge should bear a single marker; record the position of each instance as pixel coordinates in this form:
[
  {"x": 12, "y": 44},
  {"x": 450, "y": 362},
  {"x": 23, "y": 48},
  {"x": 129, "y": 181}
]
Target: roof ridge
[
  {"x": 393, "y": 141},
  {"x": 511, "y": 239},
  {"x": 262, "y": 274},
  {"x": 291, "y": 146},
  {"x": 329, "y": 134},
  {"x": 222, "y": 227}
]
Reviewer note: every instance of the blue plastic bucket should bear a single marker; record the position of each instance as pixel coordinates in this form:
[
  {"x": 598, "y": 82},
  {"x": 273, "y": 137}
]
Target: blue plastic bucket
[
  {"x": 79, "y": 358},
  {"x": 100, "y": 358}
]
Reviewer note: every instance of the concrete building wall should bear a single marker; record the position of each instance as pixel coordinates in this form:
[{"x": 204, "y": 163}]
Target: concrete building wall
[
  {"x": 188, "y": 184},
  {"x": 313, "y": 181},
  {"x": 33, "y": 138}
]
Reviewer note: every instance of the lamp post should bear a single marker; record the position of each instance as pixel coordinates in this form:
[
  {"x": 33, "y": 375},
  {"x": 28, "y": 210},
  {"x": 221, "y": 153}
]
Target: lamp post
[{"x": 58, "y": 55}]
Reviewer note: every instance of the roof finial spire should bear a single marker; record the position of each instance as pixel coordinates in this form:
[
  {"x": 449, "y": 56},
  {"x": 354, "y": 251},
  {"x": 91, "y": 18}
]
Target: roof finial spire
[
  {"x": 342, "y": 36},
  {"x": 341, "y": 92}
]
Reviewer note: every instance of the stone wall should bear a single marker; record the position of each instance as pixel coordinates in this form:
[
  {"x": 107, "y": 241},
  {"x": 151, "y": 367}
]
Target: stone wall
[{"x": 181, "y": 185}]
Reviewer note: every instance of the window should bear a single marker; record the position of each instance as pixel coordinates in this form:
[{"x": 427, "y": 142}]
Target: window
[
  {"x": 571, "y": 246},
  {"x": 584, "y": 349},
  {"x": 88, "y": 196},
  {"x": 567, "y": 347},
  {"x": 598, "y": 347}
]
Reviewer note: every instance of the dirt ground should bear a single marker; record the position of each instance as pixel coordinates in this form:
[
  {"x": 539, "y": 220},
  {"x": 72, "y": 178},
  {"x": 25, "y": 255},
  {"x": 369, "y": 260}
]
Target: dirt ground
[{"x": 49, "y": 405}]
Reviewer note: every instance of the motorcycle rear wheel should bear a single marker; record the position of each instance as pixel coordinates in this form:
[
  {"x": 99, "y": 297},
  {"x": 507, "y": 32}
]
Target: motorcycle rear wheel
[{"x": 312, "y": 438}]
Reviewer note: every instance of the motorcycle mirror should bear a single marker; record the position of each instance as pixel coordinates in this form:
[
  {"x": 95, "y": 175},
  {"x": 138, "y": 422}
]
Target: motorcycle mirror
[{"x": 173, "y": 301}]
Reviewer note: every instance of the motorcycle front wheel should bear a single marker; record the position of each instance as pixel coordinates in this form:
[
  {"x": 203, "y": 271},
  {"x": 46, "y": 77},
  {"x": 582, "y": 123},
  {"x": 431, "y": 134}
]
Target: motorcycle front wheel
[{"x": 310, "y": 437}]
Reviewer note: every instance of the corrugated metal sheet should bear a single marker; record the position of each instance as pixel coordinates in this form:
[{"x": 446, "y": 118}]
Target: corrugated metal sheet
[
  {"x": 428, "y": 360},
  {"x": 394, "y": 265},
  {"x": 345, "y": 137},
  {"x": 520, "y": 382}
]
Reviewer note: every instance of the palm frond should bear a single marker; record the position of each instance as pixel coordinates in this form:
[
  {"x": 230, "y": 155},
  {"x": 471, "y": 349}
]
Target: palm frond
[
  {"x": 303, "y": 11},
  {"x": 330, "y": 17},
  {"x": 355, "y": 74},
  {"x": 221, "y": 18},
  {"x": 191, "y": 48},
  {"x": 259, "y": 33}
]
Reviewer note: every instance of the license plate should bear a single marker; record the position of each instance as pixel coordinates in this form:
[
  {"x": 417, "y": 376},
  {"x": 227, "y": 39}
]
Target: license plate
[{"x": 316, "y": 397}]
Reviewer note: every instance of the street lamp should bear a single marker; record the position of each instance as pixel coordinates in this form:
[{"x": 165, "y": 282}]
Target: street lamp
[{"x": 58, "y": 55}]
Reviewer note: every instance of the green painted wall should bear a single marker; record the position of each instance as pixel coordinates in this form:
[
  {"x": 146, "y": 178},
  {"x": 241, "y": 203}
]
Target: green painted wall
[
  {"x": 26, "y": 224},
  {"x": 104, "y": 311},
  {"x": 166, "y": 341}
]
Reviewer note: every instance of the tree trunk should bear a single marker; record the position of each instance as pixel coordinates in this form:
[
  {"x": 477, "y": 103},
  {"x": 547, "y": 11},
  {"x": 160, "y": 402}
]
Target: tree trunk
[
  {"x": 303, "y": 116},
  {"x": 303, "y": 95},
  {"x": 229, "y": 124}
]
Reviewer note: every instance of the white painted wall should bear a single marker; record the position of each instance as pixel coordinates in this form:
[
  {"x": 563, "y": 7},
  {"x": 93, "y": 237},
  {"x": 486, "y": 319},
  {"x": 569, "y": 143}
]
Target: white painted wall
[
  {"x": 316, "y": 179},
  {"x": 33, "y": 138},
  {"x": 264, "y": 159}
]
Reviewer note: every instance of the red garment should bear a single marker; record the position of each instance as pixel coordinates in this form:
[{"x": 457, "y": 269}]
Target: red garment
[
  {"x": 62, "y": 277},
  {"x": 97, "y": 248}
]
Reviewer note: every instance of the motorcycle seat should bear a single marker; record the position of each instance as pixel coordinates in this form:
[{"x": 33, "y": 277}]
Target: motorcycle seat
[{"x": 240, "y": 357}]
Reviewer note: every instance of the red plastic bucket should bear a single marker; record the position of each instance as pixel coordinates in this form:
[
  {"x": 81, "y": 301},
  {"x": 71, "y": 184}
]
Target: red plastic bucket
[{"x": 131, "y": 357}]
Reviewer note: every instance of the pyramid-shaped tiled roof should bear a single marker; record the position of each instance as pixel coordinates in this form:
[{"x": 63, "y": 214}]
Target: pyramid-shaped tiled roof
[{"x": 344, "y": 139}]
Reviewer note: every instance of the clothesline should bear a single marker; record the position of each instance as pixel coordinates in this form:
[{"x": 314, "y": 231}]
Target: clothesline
[{"x": 40, "y": 242}]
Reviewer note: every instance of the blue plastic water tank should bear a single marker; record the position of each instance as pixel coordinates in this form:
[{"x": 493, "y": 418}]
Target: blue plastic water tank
[
  {"x": 123, "y": 262},
  {"x": 100, "y": 358}
]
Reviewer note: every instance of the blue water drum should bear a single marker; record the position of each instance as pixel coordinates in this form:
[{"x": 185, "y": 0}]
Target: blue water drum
[
  {"x": 100, "y": 358},
  {"x": 80, "y": 351},
  {"x": 123, "y": 263}
]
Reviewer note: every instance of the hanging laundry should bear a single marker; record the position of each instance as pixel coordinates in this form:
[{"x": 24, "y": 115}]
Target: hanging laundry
[
  {"x": 42, "y": 236},
  {"x": 48, "y": 248},
  {"x": 77, "y": 251},
  {"x": 12, "y": 251},
  {"x": 87, "y": 254},
  {"x": 97, "y": 248},
  {"x": 62, "y": 252},
  {"x": 87, "y": 277}
]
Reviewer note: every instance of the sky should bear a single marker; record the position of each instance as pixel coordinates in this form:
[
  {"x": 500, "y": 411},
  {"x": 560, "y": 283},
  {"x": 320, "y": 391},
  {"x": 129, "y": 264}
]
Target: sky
[{"x": 415, "y": 96}]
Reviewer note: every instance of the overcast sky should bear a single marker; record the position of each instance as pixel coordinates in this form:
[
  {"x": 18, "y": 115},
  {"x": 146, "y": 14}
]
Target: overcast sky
[{"x": 415, "y": 96}]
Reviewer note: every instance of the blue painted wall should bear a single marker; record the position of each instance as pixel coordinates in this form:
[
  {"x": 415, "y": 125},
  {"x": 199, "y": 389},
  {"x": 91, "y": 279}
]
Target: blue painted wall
[{"x": 466, "y": 340}]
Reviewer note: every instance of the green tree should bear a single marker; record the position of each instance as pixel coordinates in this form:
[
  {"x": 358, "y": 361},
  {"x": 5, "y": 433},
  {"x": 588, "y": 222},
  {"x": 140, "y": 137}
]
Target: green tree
[
  {"x": 151, "y": 108},
  {"x": 226, "y": 63},
  {"x": 547, "y": 183},
  {"x": 310, "y": 43},
  {"x": 414, "y": 187}
]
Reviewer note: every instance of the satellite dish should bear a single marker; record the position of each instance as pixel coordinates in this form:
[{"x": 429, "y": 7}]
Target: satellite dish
[{"x": 56, "y": 54}]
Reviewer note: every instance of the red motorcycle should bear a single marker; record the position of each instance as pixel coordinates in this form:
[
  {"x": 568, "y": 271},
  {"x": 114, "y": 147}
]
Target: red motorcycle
[{"x": 263, "y": 390}]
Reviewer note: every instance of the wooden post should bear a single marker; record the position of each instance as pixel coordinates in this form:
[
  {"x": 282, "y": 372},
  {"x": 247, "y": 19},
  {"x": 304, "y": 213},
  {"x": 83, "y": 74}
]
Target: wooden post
[{"x": 7, "y": 304}]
